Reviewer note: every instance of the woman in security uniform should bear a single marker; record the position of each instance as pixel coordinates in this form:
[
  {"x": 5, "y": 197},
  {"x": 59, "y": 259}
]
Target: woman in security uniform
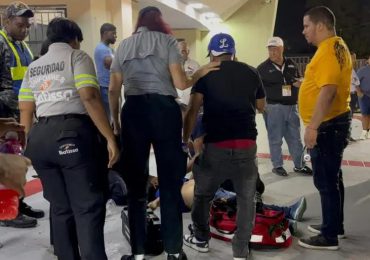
[{"x": 65, "y": 146}]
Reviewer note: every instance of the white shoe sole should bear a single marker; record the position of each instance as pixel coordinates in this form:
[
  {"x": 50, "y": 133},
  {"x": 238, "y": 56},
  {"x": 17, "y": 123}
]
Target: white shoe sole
[
  {"x": 199, "y": 249},
  {"x": 331, "y": 248}
]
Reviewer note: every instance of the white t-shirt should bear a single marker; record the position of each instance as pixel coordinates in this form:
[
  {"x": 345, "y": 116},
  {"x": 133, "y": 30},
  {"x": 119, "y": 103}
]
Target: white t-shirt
[
  {"x": 355, "y": 81},
  {"x": 190, "y": 67}
]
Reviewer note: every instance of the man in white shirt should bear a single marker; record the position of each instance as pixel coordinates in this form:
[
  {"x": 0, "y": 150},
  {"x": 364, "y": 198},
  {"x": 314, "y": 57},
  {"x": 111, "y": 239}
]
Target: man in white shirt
[{"x": 190, "y": 66}]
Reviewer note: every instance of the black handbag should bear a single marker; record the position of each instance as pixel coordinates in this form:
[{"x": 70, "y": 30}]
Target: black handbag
[{"x": 154, "y": 243}]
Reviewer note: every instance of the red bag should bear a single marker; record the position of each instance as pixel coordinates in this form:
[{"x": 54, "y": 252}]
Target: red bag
[
  {"x": 271, "y": 228},
  {"x": 8, "y": 204}
]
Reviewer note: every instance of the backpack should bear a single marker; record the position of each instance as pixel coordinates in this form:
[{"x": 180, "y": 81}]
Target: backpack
[
  {"x": 271, "y": 228},
  {"x": 154, "y": 243}
]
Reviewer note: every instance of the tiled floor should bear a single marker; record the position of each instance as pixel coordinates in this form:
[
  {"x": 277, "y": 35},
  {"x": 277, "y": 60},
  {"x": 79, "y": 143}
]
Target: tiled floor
[{"x": 33, "y": 244}]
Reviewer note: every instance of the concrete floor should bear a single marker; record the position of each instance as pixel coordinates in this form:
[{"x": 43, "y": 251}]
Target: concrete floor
[{"x": 33, "y": 244}]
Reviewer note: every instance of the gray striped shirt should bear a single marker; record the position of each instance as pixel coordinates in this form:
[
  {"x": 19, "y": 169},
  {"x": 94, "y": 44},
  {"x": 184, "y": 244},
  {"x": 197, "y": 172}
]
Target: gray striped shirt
[{"x": 144, "y": 59}]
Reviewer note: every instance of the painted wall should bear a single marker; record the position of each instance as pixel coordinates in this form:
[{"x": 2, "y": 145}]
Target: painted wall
[
  {"x": 193, "y": 40},
  {"x": 250, "y": 26}
]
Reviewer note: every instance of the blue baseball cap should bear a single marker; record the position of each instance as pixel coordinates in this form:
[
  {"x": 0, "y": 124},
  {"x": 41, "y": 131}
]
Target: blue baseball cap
[{"x": 221, "y": 43}]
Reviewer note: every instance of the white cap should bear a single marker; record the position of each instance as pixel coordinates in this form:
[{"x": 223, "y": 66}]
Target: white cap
[{"x": 275, "y": 41}]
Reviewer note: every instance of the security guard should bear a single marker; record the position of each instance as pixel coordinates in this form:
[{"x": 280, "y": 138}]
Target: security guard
[
  {"x": 15, "y": 56},
  {"x": 65, "y": 146}
]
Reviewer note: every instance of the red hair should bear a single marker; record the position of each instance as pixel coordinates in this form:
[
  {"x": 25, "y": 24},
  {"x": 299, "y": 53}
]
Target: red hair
[{"x": 153, "y": 20}]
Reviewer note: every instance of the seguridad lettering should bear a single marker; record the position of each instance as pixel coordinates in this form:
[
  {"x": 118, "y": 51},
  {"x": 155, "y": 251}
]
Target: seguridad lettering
[{"x": 47, "y": 69}]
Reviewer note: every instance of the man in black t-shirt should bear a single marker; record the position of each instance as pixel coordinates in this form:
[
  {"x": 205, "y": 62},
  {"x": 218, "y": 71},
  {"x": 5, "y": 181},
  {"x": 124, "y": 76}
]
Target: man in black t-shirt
[
  {"x": 230, "y": 97},
  {"x": 281, "y": 80}
]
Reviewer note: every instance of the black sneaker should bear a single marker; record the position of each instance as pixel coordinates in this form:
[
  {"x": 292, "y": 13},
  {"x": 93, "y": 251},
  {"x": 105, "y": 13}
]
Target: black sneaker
[
  {"x": 316, "y": 229},
  {"x": 21, "y": 221},
  {"x": 318, "y": 242},
  {"x": 305, "y": 170},
  {"x": 192, "y": 242},
  {"x": 182, "y": 256},
  {"x": 27, "y": 210},
  {"x": 280, "y": 171}
]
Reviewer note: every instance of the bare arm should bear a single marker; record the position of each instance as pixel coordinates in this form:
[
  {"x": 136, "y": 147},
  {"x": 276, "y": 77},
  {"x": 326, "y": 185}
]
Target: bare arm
[
  {"x": 115, "y": 86},
  {"x": 182, "y": 82},
  {"x": 323, "y": 105},
  {"x": 260, "y": 104},
  {"x": 359, "y": 91},
  {"x": 91, "y": 99},
  {"x": 13, "y": 169},
  {"x": 27, "y": 109},
  {"x": 322, "y": 108},
  {"x": 196, "y": 100},
  {"x": 108, "y": 62}
]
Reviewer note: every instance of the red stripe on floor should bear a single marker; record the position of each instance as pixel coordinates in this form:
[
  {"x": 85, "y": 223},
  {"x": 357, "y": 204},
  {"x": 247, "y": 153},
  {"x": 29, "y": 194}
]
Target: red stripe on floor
[{"x": 34, "y": 186}]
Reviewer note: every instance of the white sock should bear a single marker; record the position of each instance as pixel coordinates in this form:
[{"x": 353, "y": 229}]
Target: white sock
[
  {"x": 239, "y": 258},
  {"x": 139, "y": 257}
]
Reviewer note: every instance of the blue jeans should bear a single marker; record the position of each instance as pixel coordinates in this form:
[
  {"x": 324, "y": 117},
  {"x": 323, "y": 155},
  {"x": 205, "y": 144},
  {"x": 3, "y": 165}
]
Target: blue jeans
[
  {"x": 286, "y": 210},
  {"x": 283, "y": 121},
  {"x": 326, "y": 158}
]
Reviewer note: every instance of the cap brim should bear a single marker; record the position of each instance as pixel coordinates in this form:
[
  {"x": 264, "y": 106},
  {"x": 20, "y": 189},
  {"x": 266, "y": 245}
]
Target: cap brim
[
  {"x": 274, "y": 45},
  {"x": 25, "y": 13},
  {"x": 218, "y": 53}
]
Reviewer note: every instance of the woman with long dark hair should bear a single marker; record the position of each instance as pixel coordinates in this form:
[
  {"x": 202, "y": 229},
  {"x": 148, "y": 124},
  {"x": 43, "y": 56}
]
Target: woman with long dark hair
[{"x": 149, "y": 65}]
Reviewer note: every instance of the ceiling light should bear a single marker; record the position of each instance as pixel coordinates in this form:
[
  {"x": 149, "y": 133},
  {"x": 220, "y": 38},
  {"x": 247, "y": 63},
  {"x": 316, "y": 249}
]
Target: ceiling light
[{"x": 196, "y": 5}]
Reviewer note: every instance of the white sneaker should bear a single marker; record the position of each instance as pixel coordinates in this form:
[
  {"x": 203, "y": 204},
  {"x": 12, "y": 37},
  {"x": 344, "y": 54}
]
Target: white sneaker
[{"x": 364, "y": 135}]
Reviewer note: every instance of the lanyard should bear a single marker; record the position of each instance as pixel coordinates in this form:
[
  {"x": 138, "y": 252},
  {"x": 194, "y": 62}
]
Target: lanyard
[{"x": 281, "y": 70}]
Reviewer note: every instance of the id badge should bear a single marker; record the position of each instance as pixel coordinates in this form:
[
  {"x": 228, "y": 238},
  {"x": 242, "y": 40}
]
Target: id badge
[{"x": 287, "y": 90}]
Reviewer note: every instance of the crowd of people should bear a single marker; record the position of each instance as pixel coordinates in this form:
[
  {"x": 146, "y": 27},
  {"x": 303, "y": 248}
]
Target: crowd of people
[{"x": 61, "y": 95}]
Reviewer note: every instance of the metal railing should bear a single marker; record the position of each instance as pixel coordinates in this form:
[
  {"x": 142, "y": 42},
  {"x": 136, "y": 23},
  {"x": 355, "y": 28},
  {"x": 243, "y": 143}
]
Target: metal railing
[{"x": 302, "y": 62}]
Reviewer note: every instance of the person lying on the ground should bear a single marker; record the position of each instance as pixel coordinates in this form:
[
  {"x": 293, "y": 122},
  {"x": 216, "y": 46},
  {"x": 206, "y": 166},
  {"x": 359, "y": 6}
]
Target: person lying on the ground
[{"x": 294, "y": 211}]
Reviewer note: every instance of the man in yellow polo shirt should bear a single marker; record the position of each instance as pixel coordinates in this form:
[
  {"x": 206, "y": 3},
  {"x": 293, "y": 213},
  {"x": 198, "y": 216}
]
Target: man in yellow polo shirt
[{"x": 324, "y": 107}]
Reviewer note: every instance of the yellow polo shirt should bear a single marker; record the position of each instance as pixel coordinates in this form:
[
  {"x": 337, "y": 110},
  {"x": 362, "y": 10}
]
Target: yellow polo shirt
[{"x": 331, "y": 65}]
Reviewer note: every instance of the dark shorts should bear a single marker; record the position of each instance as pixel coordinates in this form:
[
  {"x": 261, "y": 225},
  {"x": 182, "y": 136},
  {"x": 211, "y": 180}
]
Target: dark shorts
[{"x": 364, "y": 103}]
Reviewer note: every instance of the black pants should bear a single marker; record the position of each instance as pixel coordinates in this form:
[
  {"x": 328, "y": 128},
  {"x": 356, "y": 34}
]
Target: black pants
[
  {"x": 326, "y": 159},
  {"x": 153, "y": 119},
  {"x": 70, "y": 158}
]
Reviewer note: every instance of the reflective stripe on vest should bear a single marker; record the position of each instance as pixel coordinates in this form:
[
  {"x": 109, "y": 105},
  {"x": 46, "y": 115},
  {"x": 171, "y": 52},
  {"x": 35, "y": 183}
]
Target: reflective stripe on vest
[{"x": 18, "y": 71}]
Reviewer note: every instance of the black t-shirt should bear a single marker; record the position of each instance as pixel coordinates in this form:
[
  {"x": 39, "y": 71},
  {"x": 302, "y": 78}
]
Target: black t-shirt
[
  {"x": 229, "y": 101},
  {"x": 273, "y": 81}
]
